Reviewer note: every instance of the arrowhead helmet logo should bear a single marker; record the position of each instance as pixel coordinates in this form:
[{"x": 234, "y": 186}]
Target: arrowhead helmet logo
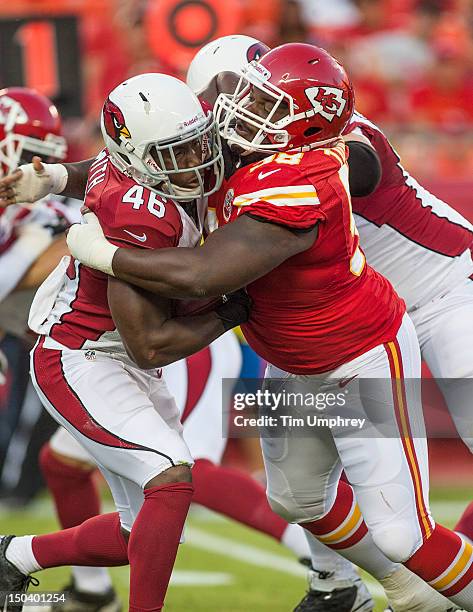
[
  {"x": 11, "y": 113},
  {"x": 327, "y": 101}
]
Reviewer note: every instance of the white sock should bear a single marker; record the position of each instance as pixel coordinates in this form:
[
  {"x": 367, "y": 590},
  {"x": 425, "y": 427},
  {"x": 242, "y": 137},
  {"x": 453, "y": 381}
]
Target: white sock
[
  {"x": 20, "y": 553},
  {"x": 326, "y": 560},
  {"x": 92, "y": 579},
  {"x": 364, "y": 554},
  {"x": 294, "y": 539}
]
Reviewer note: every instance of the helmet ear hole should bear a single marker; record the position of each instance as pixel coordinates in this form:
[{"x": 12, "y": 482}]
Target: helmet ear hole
[
  {"x": 125, "y": 158},
  {"x": 311, "y": 131}
]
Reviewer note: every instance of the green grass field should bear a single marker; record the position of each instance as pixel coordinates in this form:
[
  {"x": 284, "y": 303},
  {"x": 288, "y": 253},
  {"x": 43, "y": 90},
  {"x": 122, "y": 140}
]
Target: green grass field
[{"x": 222, "y": 567}]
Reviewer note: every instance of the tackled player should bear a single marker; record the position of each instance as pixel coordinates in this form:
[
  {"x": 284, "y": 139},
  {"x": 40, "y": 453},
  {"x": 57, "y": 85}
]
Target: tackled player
[{"x": 94, "y": 332}]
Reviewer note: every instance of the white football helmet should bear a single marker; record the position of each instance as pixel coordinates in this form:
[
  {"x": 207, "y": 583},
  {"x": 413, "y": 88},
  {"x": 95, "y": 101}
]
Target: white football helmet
[
  {"x": 225, "y": 54},
  {"x": 145, "y": 118}
]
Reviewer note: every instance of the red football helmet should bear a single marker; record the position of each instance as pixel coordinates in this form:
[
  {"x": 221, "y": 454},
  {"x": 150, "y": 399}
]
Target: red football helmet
[
  {"x": 29, "y": 125},
  {"x": 314, "y": 86}
]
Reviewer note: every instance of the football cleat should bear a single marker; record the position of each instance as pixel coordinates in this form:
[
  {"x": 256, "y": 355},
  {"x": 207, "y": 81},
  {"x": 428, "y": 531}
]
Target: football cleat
[
  {"x": 453, "y": 609},
  {"x": 11, "y": 579},
  {"x": 82, "y": 601},
  {"x": 406, "y": 592},
  {"x": 335, "y": 596}
]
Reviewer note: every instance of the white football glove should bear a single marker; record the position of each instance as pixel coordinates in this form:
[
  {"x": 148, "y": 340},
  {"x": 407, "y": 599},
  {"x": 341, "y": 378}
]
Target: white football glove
[
  {"x": 88, "y": 244},
  {"x": 34, "y": 184}
]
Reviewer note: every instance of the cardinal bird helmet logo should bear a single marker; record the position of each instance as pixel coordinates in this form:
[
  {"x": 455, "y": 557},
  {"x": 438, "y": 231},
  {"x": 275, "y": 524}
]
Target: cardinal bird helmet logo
[
  {"x": 114, "y": 122},
  {"x": 256, "y": 51}
]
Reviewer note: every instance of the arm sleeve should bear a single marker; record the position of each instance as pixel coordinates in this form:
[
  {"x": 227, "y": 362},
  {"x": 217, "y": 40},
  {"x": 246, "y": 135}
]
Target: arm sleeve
[{"x": 364, "y": 169}]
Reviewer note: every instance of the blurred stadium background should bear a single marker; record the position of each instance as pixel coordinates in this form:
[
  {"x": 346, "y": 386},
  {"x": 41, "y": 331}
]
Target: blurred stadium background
[{"x": 412, "y": 65}]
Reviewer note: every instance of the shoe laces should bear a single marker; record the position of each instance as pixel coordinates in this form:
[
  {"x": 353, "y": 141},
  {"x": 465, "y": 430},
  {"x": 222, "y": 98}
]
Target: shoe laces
[{"x": 323, "y": 575}]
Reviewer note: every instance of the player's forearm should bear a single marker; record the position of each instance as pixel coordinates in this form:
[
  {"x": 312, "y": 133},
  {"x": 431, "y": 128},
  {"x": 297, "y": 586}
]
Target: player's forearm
[
  {"x": 32, "y": 182},
  {"x": 172, "y": 273},
  {"x": 152, "y": 336},
  {"x": 77, "y": 173},
  {"x": 176, "y": 339},
  {"x": 231, "y": 258}
]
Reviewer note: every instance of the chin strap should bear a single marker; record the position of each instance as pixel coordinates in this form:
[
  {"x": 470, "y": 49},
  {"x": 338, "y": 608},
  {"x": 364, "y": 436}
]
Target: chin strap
[{"x": 314, "y": 145}]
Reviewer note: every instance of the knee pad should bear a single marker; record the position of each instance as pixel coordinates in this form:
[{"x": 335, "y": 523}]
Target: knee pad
[
  {"x": 398, "y": 540},
  {"x": 126, "y": 519},
  {"x": 295, "y": 511},
  {"x": 63, "y": 443}
]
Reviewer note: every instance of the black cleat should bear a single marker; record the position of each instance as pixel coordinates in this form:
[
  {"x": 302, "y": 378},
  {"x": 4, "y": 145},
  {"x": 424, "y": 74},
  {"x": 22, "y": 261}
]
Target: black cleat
[
  {"x": 81, "y": 601},
  {"x": 345, "y": 596},
  {"x": 11, "y": 579},
  {"x": 454, "y": 609}
]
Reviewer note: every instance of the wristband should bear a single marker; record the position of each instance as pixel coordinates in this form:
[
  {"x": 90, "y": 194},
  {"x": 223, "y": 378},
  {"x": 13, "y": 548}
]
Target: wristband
[{"x": 33, "y": 186}]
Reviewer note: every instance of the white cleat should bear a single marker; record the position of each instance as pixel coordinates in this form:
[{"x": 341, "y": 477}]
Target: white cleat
[{"x": 406, "y": 592}]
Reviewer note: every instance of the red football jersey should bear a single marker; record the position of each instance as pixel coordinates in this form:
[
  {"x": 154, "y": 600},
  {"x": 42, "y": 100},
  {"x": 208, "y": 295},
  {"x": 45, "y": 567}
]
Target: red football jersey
[
  {"x": 324, "y": 306},
  {"x": 130, "y": 215}
]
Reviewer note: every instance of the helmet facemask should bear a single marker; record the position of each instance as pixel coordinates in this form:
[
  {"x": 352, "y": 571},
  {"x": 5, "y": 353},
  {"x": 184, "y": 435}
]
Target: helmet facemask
[
  {"x": 17, "y": 149},
  {"x": 271, "y": 135},
  {"x": 157, "y": 165}
]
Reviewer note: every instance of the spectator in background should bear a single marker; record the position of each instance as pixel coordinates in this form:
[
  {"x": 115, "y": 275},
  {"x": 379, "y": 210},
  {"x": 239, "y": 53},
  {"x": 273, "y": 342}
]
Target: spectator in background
[
  {"x": 412, "y": 68},
  {"x": 454, "y": 154},
  {"x": 293, "y": 27},
  {"x": 261, "y": 20},
  {"x": 328, "y": 20},
  {"x": 115, "y": 47},
  {"x": 410, "y": 61},
  {"x": 444, "y": 96},
  {"x": 384, "y": 61}
]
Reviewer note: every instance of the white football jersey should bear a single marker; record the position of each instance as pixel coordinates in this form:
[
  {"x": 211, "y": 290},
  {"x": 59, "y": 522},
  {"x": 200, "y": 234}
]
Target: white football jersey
[{"x": 417, "y": 241}]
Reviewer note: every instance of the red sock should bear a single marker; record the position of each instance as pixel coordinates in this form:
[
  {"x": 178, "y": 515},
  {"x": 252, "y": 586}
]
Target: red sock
[
  {"x": 153, "y": 544},
  {"x": 345, "y": 511},
  {"x": 235, "y": 494},
  {"x": 465, "y": 524},
  {"x": 98, "y": 541},
  {"x": 451, "y": 571},
  {"x": 68, "y": 484}
]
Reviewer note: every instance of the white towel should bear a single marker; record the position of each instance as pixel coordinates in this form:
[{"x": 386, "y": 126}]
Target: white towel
[{"x": 46, "y": 295}]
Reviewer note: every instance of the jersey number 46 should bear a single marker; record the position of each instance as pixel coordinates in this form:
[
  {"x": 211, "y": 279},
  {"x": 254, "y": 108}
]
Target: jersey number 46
[{"x": 136, "y": 196}]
